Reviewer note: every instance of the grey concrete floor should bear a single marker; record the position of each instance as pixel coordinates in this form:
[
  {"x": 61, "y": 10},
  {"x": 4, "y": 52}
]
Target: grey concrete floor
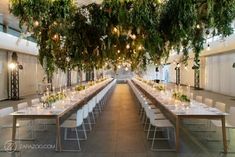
[{"x": 118, "y": 133}]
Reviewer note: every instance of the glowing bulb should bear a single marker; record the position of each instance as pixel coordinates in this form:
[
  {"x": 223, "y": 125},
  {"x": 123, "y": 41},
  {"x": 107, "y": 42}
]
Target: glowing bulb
[
  {"x": 128, "y": 46},
  {"x": 12, "y": 66},
  {"x": 140, "y": 48},
  {"x": 36, "y": 23},
  {"x": 55, "y": 37},
  {"x": 198, "y": 26},
  {"x": 119, "y": 66},
  {"x": 126, "y": 68},
  {"x": 133, "y": 36},
  {"x": 115, "y": 29},
  {"x": 118, "y": 51}
]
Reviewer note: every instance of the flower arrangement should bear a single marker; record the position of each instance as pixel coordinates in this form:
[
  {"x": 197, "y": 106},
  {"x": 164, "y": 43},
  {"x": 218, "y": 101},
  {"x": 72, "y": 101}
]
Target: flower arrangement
[
  {"x": 55, "y": 97},
  {"x": 160, "y": 87},
  {"x": 80, "y": 87},
  {"x": 180, "y": 96},
  {"x": 91, "y": 83}
]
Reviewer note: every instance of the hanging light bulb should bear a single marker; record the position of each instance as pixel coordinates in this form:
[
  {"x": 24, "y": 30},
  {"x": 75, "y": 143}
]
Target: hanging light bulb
[
  {"x": 55, "y": 37},
  {"x": 119, "y": 66},
  {"x": 126, "y": 68},
  {"x": 128, "y": 46},
  {"x": 115, "y": 30},
  {"x": 118, "y": 51},
  {"x": 36, "y": 23},
  {"x": 133, "y": 36},
  {"x": 140, "y": 47},
  {"x": 198, "y": 26}
]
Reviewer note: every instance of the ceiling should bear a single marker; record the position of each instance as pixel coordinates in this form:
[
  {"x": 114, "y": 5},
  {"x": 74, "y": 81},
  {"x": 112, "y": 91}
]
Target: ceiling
[{"x": 13, "y": 22}]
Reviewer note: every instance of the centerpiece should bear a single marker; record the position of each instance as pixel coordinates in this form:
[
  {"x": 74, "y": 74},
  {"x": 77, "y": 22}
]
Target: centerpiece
[
  {"x": 80, "y": 88},
  {"x": 182, "y": 98},
  {"x": 52, "y": 98},
  {"x": 160, "y": 87}
]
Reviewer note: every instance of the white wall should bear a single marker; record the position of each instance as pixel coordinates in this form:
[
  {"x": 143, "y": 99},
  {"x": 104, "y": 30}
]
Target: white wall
[
  {"x": 3, "y": 75},
  {"x": 219, "y": 74},
  {"x": 150, "y": 73}
]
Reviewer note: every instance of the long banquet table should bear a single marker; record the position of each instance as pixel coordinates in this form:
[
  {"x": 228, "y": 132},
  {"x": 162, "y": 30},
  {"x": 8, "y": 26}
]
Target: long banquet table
[
  {"x": 195, "y": 111},
  {"x": 58, "y": 112}
]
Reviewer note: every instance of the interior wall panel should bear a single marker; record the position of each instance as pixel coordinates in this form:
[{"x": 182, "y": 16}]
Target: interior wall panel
[
  {"x": 3, "y": 75},
  {"x": 220, "y": 75}
]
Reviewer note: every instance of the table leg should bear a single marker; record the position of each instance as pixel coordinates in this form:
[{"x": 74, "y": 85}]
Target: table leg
[
  {"x": 224, "y": 134},
  {"x": 58, "y": 138},
  {"x": 177, "y": 134},
  {"x": 14, "y": 131}
]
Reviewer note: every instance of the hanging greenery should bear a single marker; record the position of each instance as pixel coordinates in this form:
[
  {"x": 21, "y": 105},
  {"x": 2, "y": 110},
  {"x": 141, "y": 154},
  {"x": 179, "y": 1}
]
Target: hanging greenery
[{"x": 116, "y": 32}]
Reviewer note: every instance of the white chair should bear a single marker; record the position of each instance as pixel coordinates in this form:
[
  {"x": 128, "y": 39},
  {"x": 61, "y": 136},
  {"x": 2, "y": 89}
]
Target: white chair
[
  {"x": 156, "y": 115},
  {"x": 230, "y": 121},
  {"x": 208, "y": 102},
  {"x": 35, "y": 102},
  {"x": 72, "y": 124},
  {"x": 22, "y": 105},
  {"x": 91, "y": 106},
  {"x": 199, "y": 98},
  {"x": 85, "y": 109},
  {"x": 161, "y": 124},
  {"x": 221, "y": 106}
]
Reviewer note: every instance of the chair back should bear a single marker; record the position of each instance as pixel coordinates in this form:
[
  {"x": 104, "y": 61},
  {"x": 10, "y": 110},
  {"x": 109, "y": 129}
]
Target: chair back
[
  {"x": 221, "y": 106},
  {"x": 85, "y": 111},
  {"x": 35, "y": 101},
  {"x": 208, "y": 102},
  {"x": 6, "y": 111},
  {"x": 199, "y": 98},
  {"x": 22, "y": 105},
  {"x": 79, "y": 117},
  {"x": 231, "y": 116}
]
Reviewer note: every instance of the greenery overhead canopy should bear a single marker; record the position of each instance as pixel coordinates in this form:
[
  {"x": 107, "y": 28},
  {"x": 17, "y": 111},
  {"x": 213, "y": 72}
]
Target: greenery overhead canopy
[{"x": 121, "y": 31}]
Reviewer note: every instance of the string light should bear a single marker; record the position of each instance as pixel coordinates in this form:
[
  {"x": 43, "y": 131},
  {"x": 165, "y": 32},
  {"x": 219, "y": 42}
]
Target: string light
[
  {"x": 140, "y": 47},
  {"x": 128, "y": 46},
  {"x": 55, "y": 37},
  {"x": 126, "y": 69},
  {"x": 118, "y": 51},
  {"x": 119, "y": 66},
  {"x": 36, "y": 23},
  {"x": 115, "y": 29},
  {"x": 133, "y": 36},
  {"x": 198, "y": 26}
]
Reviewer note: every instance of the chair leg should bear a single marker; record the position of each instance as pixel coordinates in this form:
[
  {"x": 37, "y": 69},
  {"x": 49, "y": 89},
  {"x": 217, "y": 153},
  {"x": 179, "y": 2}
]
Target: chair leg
[
  {"x": 148, "y": 131},
  {"x": 84, "y": 131},
  {"x": 154, "y": 136},
  {"x": 78, "y": 142},
  {"x": 89, "y": 123},
  {"x": 65, "y": 133},
  {"x": 79, "y": 146},
  {"x": 93, "y": 116}
]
